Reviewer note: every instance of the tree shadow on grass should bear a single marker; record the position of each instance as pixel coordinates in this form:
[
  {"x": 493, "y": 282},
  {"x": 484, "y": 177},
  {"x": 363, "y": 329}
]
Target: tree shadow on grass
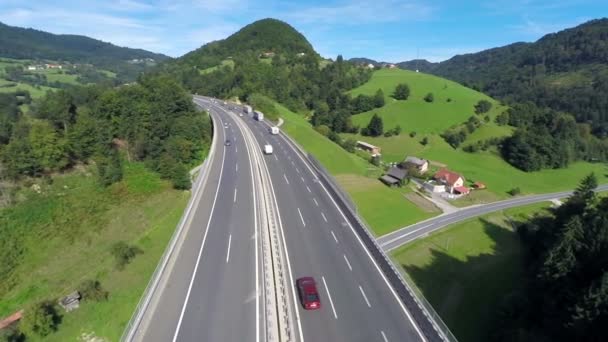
[{"x": 467, "y": 294}]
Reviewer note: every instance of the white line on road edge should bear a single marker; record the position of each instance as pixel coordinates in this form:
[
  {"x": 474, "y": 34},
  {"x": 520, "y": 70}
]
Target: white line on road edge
[
  {"x": 315, "y": 200},
  {"x": 285, "y": 178},
  {"x": 329, "y": 297},
  {"x": 228, "y": 252},
  {"x": 404, "y": 235},
  {"x": 324, "y": 218},
  {"x": 334, "y": 235},
  {"x": 369, "y": 255},
  {"x": 364, "y": 296},
  {"x": 234, "y": 195},
  {"x": 200, "y": 252},
  {"x": 348, "y": 263},
  {"x": 301, "y": 217},
  {"x": 307, "y": 188},
  {"x": 383, "y": 336}
]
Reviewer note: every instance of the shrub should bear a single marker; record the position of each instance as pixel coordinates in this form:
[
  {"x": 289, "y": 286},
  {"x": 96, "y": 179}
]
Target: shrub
[
  {"x": 514, "y": 192},
  {"x": 123, "y": 253},
  {"x": 448, "y": 100},
  {"x": 92, "y": 290},
  {"x": 397, "y": 130},
  {"x": 388, "y": 133},
  {"x": 429, "y": 97},
  {"x": 502, "y": 118},
  {"x": 412, "y": 134},
  {"x": 402, "y": 92},
  {"x": 424, "y": 141},
  {"x": 323, "y": 129},
  {"x": 486, "y": 118},
  {"x": 180, "y": 177},
  {"x": 349, "y": 145},
  {"x": 483, "y": 106},
  {"x": 41, "y": 319}
]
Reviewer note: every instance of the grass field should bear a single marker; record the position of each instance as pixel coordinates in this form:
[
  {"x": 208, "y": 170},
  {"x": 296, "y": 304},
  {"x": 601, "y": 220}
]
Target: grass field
[
  {"x": 226, "y": 62},
  {"x": 383, "y": 208},
  {"x": 485, "y": 166},
  {"x": 467, "y": 269},
  {"x": 415, "y": 114},
  {"x": 68, "y": 230}
]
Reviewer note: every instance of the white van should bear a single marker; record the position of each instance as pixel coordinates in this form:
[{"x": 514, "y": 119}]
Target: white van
[
  {"x": 267, "y": 149},
  {"x": 274, "y": 130}
]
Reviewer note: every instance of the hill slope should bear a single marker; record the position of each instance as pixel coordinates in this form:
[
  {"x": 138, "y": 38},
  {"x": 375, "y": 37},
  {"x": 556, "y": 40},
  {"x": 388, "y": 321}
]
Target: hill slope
[
  {"x": 266, "y": 35},
  {"x": 22, "y": 43},
  {"x": 566, "y": 71}
]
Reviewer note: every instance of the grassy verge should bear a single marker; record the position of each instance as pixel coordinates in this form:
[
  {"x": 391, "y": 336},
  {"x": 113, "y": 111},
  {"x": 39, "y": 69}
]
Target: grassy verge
[
  {"x": 68, "y": 230},
  {"x": 466, "y": 270},
  {"x": 383, "y": 208}
]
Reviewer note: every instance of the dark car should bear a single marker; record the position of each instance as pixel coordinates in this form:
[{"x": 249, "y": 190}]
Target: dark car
[
  {"x": 228, "y": 142},
  {"x": 309, "y": 296}
]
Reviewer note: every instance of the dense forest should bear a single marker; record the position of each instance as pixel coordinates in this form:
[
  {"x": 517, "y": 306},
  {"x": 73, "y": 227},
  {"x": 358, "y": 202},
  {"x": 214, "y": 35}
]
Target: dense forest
[
  {"x": 566, "y": 292},
  {"x": 22, "y": 43},
  {"x": 295, "y": 75},
  {"x": 153, "y": 121}
]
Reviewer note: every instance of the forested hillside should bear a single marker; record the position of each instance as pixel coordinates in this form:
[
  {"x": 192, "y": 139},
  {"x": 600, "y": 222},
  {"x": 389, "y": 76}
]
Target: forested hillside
[
  {"x": 566, "y": 71},
  {"x": 566, "y": 292},
  {"x": 22, "y": 43},
  {"x": 272, "y": 58}
]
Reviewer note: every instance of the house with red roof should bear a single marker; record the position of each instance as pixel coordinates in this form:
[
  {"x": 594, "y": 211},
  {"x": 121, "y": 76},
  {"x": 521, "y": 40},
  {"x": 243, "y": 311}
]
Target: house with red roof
[{"x": 454, "y": 182}]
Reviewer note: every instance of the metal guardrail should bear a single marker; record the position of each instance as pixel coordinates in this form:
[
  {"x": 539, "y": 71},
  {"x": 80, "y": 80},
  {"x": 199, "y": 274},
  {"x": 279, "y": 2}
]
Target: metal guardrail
[
  {"x": 152, "y": 285},
  {"x": 426, "y": 317}
]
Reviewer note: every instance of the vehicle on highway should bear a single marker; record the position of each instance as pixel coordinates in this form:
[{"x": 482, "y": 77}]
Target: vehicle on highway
[
  {"x": 274, "y": 130},
  {"x": 309, "y": 296},
  {"x": 228, "y": 142},
  {"x": 258, "y": 115},
  {"x": 247, "y": 110},
  {"x": 267, "y": 149}
]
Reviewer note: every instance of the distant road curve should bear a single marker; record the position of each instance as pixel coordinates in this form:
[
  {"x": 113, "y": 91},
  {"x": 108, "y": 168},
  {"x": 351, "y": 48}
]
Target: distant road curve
[{"x": 410, "y": 233}]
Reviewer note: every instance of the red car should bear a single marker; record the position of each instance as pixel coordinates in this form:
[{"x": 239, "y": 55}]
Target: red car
[{"x": 307, "y": 289}]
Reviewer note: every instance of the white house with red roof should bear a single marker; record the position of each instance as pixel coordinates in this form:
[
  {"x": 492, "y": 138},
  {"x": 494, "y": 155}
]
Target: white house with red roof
[{"x": 453, "y": 181}]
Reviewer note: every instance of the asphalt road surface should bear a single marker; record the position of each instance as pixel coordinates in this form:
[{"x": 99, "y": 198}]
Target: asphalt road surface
[
  {"x": 407, "y": 234},
  {"x": 358, "y": 304},
  {"x": 210, "y": 292}
]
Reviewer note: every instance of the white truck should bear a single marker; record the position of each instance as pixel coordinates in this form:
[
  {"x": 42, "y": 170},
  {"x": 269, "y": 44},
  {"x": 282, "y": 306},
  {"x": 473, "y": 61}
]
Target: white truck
[
  {"x": 258, "y": 115},
  {"x": 274, "y": 130},
  {"x": 267, "y": 149},
  {"x": 247, "y": 110}
]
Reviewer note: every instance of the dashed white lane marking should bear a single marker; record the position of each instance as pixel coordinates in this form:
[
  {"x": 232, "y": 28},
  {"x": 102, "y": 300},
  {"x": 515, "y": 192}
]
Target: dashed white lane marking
[
  {"x": 307, "y": 188},
  {"x": 228, "y": 252},
  {"x": 364, "y": 296},
  {"x": 285, "y": 178},
  {"x": 334, "y": 235},
  {"x": 324, "y": 218},
  {"x": 348, "y": 263},
  {"x": 383, "y": 336},
  {"x": 301, "y": 217},
  {"x": 316, "y": 203},
  {"x": 234, "y": 195}
]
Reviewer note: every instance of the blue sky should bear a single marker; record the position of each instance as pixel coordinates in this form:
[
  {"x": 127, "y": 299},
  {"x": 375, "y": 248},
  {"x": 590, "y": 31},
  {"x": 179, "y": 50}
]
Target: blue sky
[{"x": 385, "y": 30}]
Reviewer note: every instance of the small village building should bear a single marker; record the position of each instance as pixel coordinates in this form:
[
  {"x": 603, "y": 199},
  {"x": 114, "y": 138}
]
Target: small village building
[
  {"x": 368, "y": 147},
  {"x": 394, "y": 176},
  {"x": 421, "y": 165},
  {"x": 434, "y": 186},
  {"x": 461, "y": 190},
  {"x": 267, "y": 54},
  {"x": 450, "y": 179}
]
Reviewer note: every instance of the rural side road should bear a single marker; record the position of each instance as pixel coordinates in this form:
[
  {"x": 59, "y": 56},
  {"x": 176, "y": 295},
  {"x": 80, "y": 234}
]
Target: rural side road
[{"x": 410, "y": 233}]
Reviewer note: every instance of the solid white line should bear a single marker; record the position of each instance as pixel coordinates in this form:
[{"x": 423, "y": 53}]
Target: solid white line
[
  {"x": 200, "y": 253},
  {"x": 285, "y": 178},
  {"x": 234, "y": 195},
  {"x": 383, "y": 336},
  {"x": 329, "y": 297},
  {"x": 307, "y": 188},
  {"x": 316, "y": 203},
  {"x": 334, "y": 235},
  {"x": 324, "y": 218},
  {"x": 348, "y": 262},
  {"x": 364, "y": 296},
  {"x": 407, "y": 313},
  {"x": 301, "y": 217},
  {"x": 228, "y": 252}
]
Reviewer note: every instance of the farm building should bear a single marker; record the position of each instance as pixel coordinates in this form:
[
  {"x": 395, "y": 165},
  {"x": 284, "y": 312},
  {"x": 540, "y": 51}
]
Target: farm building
[
  {"x": 450, "y": 179},
  {"x": 422, "y": 165},
  {"x": 368, "y": 147},
  {"x": 394, "y": 176}
]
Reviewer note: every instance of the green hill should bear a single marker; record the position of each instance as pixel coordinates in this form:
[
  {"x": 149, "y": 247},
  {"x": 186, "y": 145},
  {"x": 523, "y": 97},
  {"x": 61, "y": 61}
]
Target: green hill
[
  {"x": 453, "y": 103},
  {"x": 266, "y": 35},
  {"x": 27, "y": 43},
  {"x": 431, "y": 119}
]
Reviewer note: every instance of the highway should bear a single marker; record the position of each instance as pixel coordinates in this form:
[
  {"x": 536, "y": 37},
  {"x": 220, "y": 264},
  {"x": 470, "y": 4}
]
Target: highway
[
  {"x": 358, "y": 303},
  {"x": 410, "y": 233},
  {"x": 211, "y": 291}
]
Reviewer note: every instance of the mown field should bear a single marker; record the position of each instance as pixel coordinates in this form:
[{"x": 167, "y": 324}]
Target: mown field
[
  {"x": 466, "y": 270},
  {"x": 67, "y": 232},
  {"x": 430, "y": 119},
  {"x": 453, "y": 103},
  {"x": 385, "y": 209}
]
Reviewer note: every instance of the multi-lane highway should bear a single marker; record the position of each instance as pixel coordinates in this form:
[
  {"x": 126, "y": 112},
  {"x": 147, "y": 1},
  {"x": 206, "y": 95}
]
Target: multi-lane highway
[
  {"x": 358, "y": 302},
  {"x": 407, "y": 234},
  {"x": 211, "y": 290}
]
